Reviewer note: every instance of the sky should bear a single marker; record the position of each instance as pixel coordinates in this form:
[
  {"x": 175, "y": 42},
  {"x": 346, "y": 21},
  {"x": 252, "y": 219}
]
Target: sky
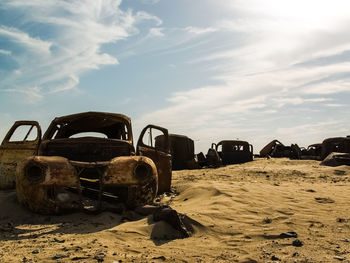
[{"x": 253, "y": 70}]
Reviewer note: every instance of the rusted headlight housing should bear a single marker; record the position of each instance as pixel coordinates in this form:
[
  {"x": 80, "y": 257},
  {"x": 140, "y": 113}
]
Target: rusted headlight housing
[
  {"x": 35, "y": 173},
  {"x": 142, "y": 170}
]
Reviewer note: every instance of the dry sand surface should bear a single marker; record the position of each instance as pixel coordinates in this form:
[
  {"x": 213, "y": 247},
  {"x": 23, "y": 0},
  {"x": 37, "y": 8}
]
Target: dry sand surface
[{"x": 241, "y": 210}]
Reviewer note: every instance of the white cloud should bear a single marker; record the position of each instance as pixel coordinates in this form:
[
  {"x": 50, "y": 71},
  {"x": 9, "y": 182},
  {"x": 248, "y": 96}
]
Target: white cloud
[
  {"x": 156, "y": 32},
  {"x": 297, "y": 101},
  {"x": 5, "y": 52},
  {"x": 200, "y": 30},
  {"x": 22, "y": 38},
  {"x": 150, "y": 2},
  {"x": 334, "y": 105},
  {"x": 53, "y": 62},
  {"x": 309, "y": 130},
  {"x": 31, "y": 94}
]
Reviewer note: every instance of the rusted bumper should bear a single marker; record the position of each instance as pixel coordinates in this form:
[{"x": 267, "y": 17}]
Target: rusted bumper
[{"x": 52, "y": 184}]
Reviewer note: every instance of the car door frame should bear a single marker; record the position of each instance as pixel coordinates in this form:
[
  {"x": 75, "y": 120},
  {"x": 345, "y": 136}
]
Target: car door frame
[
  {"x": 9, "y": 152},
  {"x": 160, "y": 156}
]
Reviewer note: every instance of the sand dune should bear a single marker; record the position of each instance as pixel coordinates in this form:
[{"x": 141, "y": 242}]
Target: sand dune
[{"x": 275, "y": 210}]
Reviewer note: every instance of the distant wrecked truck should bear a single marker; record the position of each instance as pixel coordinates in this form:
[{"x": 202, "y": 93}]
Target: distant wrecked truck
[{"x": 84, "y": 156}]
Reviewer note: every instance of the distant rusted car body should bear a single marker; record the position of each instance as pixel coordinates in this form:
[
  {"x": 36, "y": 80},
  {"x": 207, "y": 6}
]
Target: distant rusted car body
[
  {"x": 234, "y": 151},
  {"x": 337, "y": 144},
  {"x": 181, "y": 149},
  {"x": 312, "y": 152},
  {"x": 92, "y": 155},
  {"x": 277, "y": 149}
]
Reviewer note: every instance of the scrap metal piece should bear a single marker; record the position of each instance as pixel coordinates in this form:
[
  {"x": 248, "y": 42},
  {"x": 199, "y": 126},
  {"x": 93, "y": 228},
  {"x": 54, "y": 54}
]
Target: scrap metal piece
[
  {"x": 336, "y": 159},
  {"x": 274, "y": 149},
  {"x": 277, "y": 149},
  {"x": 173, "y": 218},
  {"x": 213, "y": 159}
]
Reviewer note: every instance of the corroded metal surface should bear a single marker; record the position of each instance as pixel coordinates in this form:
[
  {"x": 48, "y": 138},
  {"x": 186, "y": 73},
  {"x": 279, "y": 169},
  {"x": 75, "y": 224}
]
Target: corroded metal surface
[
  {"x": 336, "y": 159},
  {"x": 277, "y": 149},
  {"x": 213, "y": 159},
  {"x": 13, "y": 152},
  {"x": 181, "y": 149},
  {"x": 312, "y": 152},
  {"x": 72, "y": 164},
  {"x": 234, "y": 151},
  {"x": 163, "y": 163},
  {"x": 38, "y": 184},
  {"x": 161, "y": 157},
  {"x": 52, "y": 184},
  {"x": 269, "y": 148},
  {"x": 337, "y": 144}
]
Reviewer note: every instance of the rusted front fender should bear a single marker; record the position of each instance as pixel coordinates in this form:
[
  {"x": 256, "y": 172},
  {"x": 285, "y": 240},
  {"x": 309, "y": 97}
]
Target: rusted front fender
[
  {"x": 35, "y": 179},
  {"x": 138, "y": 174},
  {"x": 42, "y": 182}
]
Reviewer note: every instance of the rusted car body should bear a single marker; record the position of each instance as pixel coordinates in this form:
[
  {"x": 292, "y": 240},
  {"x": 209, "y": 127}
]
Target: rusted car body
[
  {"x": 337, "y": 144},
  {"x": 234, "y": 151},
  {"x": 277, "y": 149},
  {"x": 92, "y": 155},
  {"x": 181, "y": 149},
  {"x": 312, "y": 152}
]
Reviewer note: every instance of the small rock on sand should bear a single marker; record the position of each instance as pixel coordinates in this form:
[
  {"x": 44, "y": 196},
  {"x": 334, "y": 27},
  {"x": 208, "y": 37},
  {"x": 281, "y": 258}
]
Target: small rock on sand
[
  {"x": 297, "y": 243},
  {"x": 324, "y": 200}
]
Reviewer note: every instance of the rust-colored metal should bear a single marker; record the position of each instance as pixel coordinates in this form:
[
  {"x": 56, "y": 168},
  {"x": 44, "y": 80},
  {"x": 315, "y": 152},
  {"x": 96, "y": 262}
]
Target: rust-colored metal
[
  {"x": 312, "y": 152},
  {"x": 40, "y": 184},
  {"x": 213, "y": 159},
  {"x": 336, "y": 159},
  {"x": 160, "y": 154},
  {"x": 234, "y": 151},
  {"x": 53, "y": 184},
  {"x": 12, "y": 152},
  {"x": 277, "y": 149},
  {"x": 270, "y": 147},
  {"x": 337, "y": 144},
  {"x": 181, "y": 149},
  {"x": 71, "y": 164}
]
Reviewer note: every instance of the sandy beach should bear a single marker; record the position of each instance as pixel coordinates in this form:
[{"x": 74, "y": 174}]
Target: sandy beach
[{"x": 268, "y": 210}]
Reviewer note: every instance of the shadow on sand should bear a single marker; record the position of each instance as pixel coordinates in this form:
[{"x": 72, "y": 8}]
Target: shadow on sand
[{"x": 18, "y": 223}]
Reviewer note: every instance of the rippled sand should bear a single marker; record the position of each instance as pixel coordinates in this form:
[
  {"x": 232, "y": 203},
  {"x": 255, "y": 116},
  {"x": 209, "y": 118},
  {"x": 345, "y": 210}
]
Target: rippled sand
[{"x": 275, "y": 210}]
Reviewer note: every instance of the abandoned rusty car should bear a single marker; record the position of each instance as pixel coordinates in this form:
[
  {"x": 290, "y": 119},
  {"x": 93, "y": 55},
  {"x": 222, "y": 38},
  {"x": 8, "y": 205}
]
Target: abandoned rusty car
[
  {"x": 84, "y": 157},
  {"x": 234, "y": 151}
]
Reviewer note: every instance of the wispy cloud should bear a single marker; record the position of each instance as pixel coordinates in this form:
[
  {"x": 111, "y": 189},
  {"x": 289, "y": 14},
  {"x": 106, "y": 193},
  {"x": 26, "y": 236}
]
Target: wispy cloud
[
  {"x": 150, "y": 2},
  {"x": 52, "y": 60},
  {"x": 5, "y": 52},
  {"x": 34, "y": 44},
  {"x": 200, "y": 30}
]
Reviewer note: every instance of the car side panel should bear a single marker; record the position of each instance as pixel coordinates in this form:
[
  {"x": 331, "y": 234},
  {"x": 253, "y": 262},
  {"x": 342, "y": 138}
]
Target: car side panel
[{"x": 12, "y": 153}]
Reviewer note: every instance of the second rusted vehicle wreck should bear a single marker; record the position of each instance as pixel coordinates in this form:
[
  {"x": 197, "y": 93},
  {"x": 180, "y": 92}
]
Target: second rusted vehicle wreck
[
  {"x": 87, "y": 158},
  {"x": 181, "y": 149},
  {"x": 276, "y": 149},
  {"x": 234, "y": 151}
]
